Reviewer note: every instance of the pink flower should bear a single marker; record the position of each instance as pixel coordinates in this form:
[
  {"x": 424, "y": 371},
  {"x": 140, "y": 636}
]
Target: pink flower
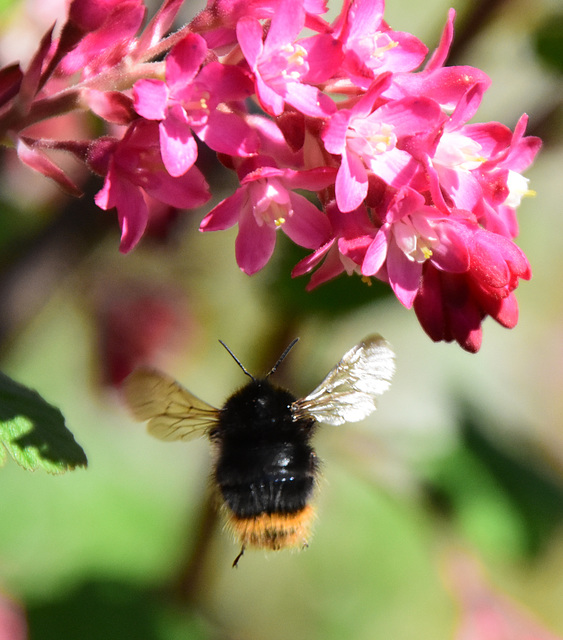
[
  {"x": 352, "y": 233},
  {"x": 266, "y": 202},
  {"x": 281, "y": 65},
  {"x": 133, "y": 169},
  {"x": 412, "y": 234},
  {"x": 370, "y": 47},
  {"x": 189, "y": 101},
  {"x": 102, "y": 32},
  {"x": 452, "y": 306},
  {"x": 368, "y": 138}
]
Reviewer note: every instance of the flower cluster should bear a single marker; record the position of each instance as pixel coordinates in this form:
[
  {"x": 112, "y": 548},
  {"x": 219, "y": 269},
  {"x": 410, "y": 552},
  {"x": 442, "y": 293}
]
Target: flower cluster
[{"x": 402, "y": 185}]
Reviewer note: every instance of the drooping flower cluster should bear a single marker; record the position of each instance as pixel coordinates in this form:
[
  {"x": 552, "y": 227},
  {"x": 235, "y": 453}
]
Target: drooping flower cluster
[{"x": 403, "y": 186}]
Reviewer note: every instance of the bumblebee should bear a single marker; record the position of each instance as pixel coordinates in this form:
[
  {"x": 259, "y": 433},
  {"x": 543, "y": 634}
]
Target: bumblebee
[{"x": 265, "y": 467}]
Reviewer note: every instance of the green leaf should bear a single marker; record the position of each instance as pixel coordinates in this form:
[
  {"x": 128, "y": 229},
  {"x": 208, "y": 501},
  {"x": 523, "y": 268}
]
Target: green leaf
[{"x": 34, "y": 433}]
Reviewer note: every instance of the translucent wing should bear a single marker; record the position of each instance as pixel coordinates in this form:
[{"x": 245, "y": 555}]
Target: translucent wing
[
  {"x": 349, "y": 391},
  {"x": 172, "y": 412}
]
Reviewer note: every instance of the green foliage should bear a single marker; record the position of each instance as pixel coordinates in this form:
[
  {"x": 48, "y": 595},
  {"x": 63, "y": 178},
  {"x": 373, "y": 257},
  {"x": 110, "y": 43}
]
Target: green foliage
[
  {"x": 34, "y": 433},
  {"x": 549, "y": 42}
]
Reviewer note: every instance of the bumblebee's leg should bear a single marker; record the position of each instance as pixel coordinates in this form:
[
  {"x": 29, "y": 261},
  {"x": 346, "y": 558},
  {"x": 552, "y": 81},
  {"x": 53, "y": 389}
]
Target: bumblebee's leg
[{"x": 235, "y": 562}]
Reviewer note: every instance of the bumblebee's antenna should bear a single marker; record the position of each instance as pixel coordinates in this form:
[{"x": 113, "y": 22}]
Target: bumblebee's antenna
[
  {"x": 282, "y": 357},
  {"x": 240, "y": 364}
]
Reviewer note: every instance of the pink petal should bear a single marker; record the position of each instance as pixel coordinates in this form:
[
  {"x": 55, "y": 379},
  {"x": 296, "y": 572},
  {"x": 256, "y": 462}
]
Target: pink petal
[
  {"x": 159, "y": 24},
  {"x": 286, "y": 25},
  {"x": 228, "y": 133},
  {"x": 311, "y": 261},
  {"x": 177, "y": 144},
  {"x": 451, "y": 254},
  {"x": 334, "y": 134},
  {"x": 184, "y": 192},
  {"x": 113, "y": 106},
  {"x": 226, "y": 213},
  {"x": 249, "y": 36},
  {"x": 307, "y": 226},
  {"x": 149, "y": 98},
  {"x": 364, "y": 17},
  {"x": 376, "y": 253},
  {"x": 270, "y": 101},
  {"x": 309, "y": 100},
  {"x": 439, "y": 56},
  {"x": 404, "y": 275},
  {"x": 39, "y": 161},
  {"x": 184, "y": 60},
  {"x": 254, "y": 245},
  {"x": 131, "y": 208},
  {"x": 351, "y": 183}
]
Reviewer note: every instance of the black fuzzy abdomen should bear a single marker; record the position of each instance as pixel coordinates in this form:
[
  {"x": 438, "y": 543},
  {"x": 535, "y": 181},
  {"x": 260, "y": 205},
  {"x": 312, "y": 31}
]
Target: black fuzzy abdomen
[
  {"x": 273, "y": 478},
  {"x": 265, "y": 464}
]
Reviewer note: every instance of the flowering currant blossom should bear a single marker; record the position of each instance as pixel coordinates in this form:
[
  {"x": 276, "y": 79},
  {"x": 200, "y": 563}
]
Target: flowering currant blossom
[
  {"x": 266, "y": 201},
  {"x": 189, "y": 100},
  {"x": 405, "y": 184},
  {"x": 133, "y": 170}
]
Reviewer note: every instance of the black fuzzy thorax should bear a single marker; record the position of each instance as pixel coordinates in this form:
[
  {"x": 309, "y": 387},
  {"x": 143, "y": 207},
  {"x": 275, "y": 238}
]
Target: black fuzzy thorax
[{"x": 265, "y": 463}]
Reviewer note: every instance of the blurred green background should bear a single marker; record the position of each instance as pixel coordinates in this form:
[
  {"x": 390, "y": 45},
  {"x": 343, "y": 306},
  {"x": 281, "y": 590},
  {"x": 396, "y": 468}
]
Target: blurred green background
[{"x": 464, "y": 455}]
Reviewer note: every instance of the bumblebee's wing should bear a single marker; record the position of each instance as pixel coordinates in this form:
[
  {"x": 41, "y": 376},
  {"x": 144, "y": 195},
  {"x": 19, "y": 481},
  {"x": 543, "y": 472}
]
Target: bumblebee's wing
[
  {"x": 172, "y": 412},
  {"x": 349, "y": 391}
]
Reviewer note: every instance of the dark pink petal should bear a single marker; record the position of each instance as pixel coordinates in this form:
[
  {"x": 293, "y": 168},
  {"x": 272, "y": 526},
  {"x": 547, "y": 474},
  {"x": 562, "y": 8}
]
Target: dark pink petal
[
  {"x": 428, "y": 305},
  {"x": 467, "y": 106},
  {"x": 228, "y": 133},
  {"x": 488, "y": 265},
  {"x": 131, "y": 208},
  {"x": 493, "y": 137},
  {"x": 10, "y": 82},
  {"x": 452, "y": 253},
  {"x": 225, "y": 82},
  {"x": 311, "y": 261},
  {"x": 465, "y": 326},
  {"x": 115, "y": 34},
  {"x": 113, "y": 106},
  {"x": 177, "y": 144},
  {"x": 324, "y": 55},
  {"x": 312, "y": 179},
  {"x": 226, "y": 213},
  {"x": 39, "y": 161},
  {"x": 31, "y": 79},
  {"x": 184, "y": 60},
  {"x": 329, "y": 269},
  {"x": 404, "y": 275},
  {"x": 254, "y": 245},
  {"x": 351, "y": 183},
  {"x": 376, "y": 253},
  {"x": 307, "y": 226},
  {"x": 159, "y": 24},
  {"x": 150, "y": 98},
  {"x": 184, "y": 192}
]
